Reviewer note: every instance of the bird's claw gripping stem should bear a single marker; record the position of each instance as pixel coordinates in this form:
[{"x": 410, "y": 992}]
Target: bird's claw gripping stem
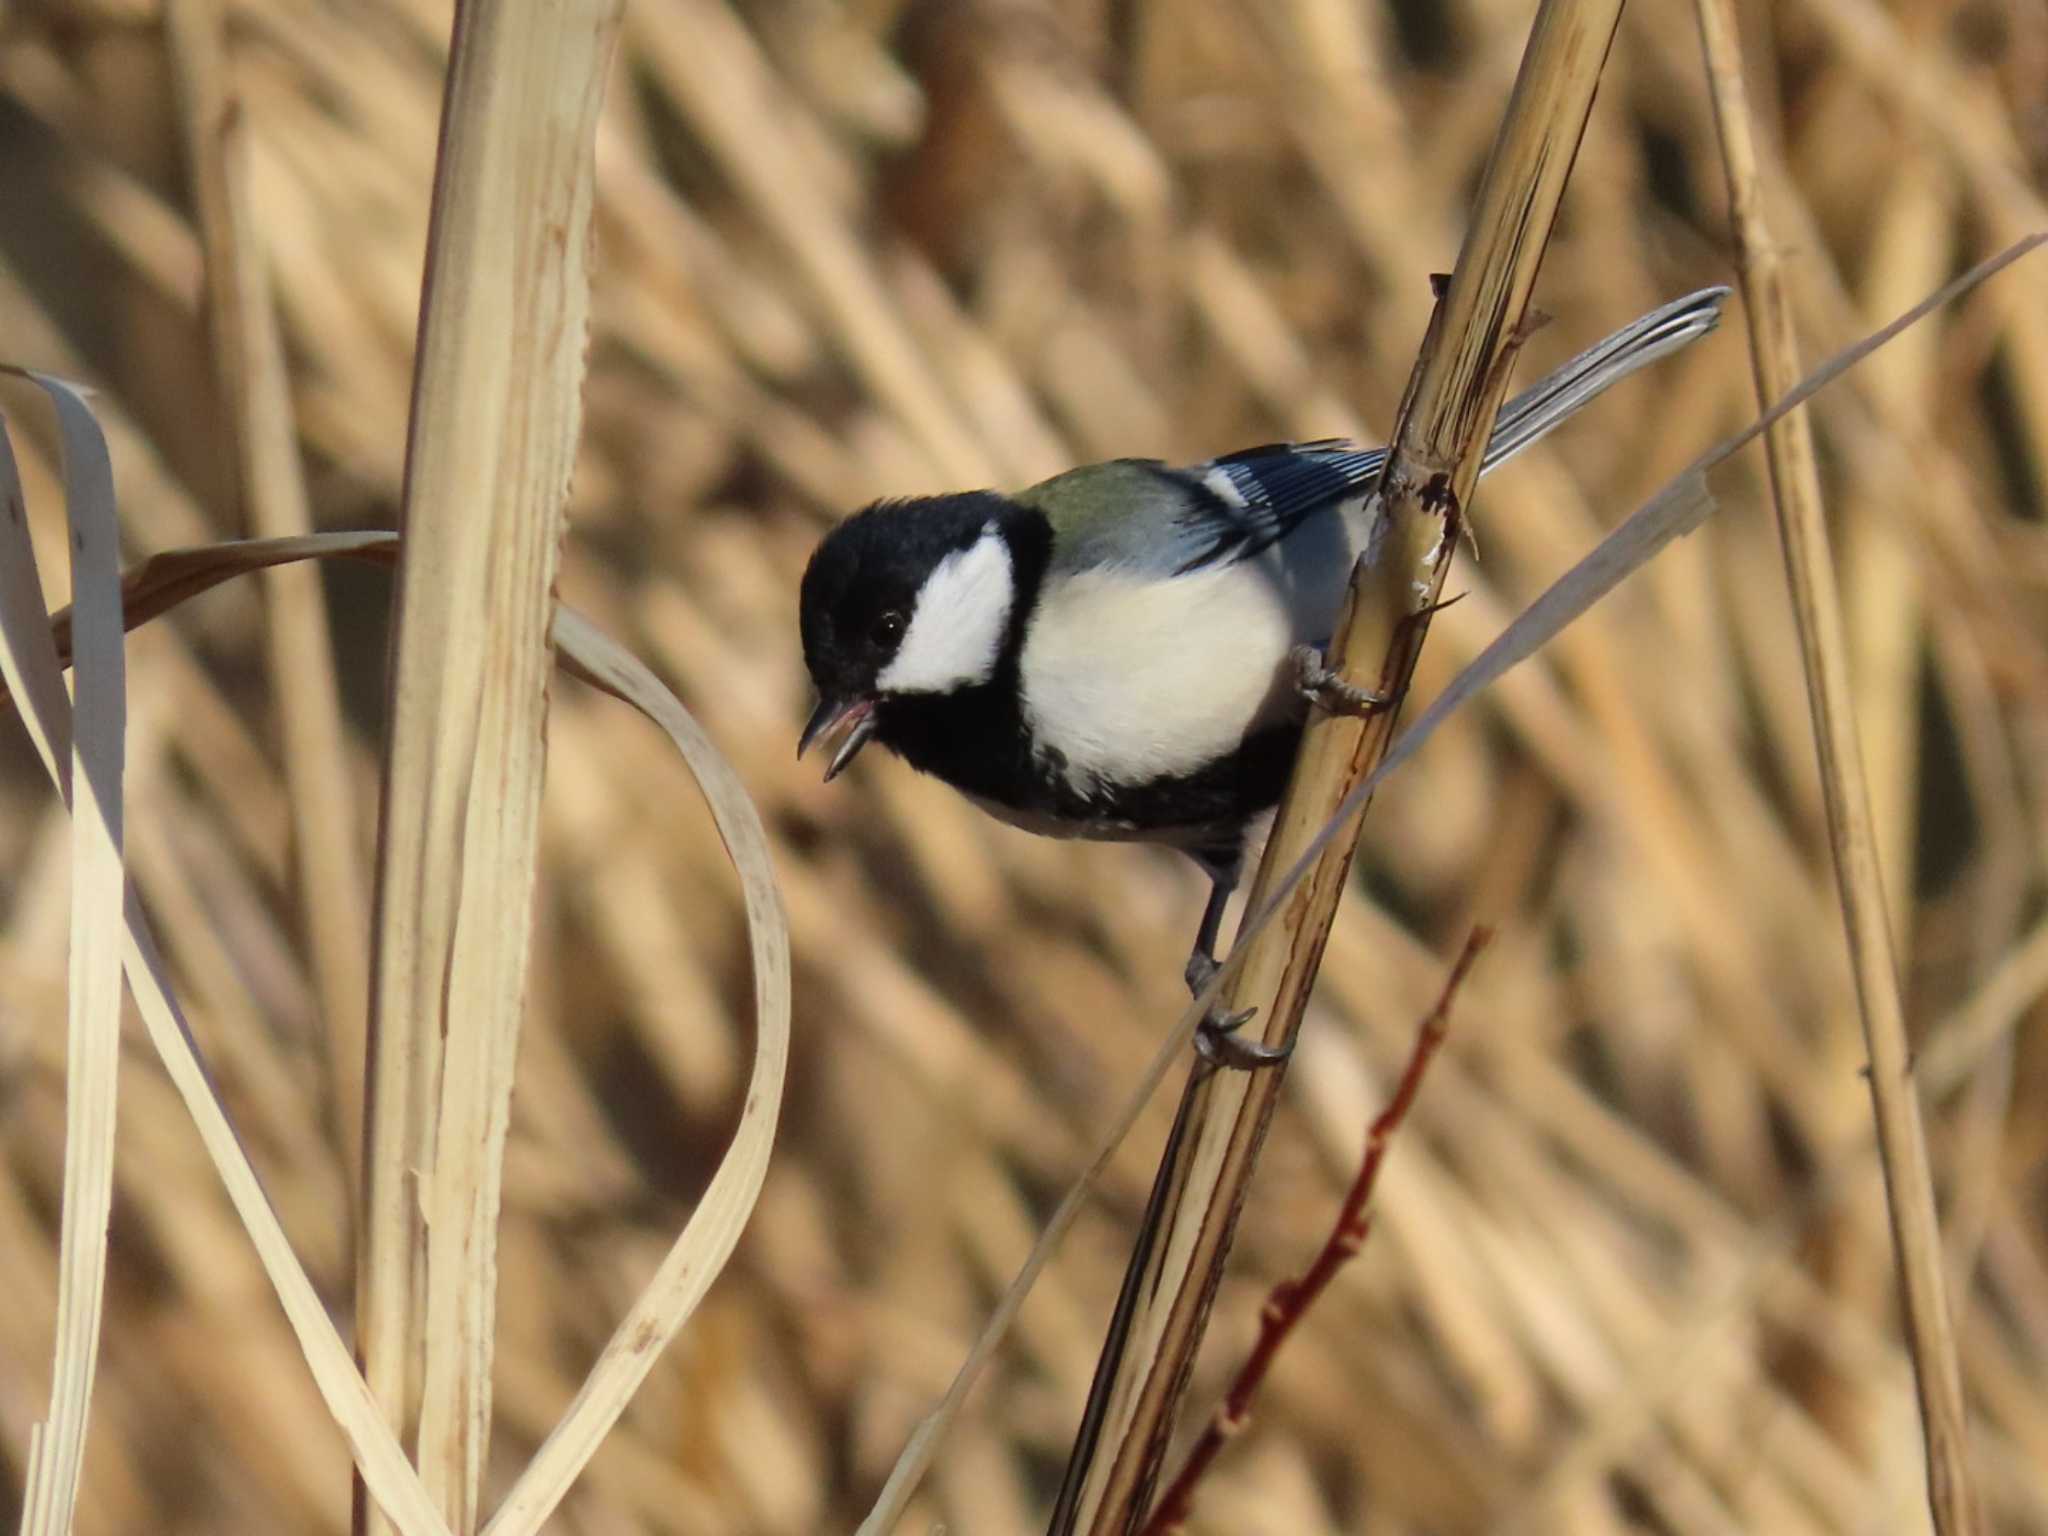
[
  {"x": 1216, "y": 1038},
  {"x": 1320, "y": 684}
]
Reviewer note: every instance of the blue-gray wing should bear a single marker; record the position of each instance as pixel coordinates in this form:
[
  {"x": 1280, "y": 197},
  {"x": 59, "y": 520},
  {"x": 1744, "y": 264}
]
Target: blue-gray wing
[{"x": 1243, "y": 503}]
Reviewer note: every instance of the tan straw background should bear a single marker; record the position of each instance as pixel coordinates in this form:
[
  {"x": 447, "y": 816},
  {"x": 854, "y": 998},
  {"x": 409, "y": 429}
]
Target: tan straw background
[{"x": 1632, "y": 1271}]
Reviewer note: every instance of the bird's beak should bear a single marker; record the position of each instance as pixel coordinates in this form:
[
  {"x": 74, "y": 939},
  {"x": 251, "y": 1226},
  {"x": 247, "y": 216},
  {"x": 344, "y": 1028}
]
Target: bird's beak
[{"x": 852, "y": 719}]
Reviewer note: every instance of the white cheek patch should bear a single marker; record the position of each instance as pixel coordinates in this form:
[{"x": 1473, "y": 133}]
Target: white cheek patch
[{"x": 957, "y": 626}]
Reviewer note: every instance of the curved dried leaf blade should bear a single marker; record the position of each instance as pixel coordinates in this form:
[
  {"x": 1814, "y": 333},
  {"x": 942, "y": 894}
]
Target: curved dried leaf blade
[
  {"x": 707, "y": 1240},
  {"x": 31, "y": 657},
  {"x": 90, "y": 781}
]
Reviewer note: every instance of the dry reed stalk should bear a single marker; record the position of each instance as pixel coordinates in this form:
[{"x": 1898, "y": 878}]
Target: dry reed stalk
[
  {"x": 1795, "y": 487},
  {"x": 497, "y": 405},
  {"x": 249, "y": 365},
  {"x": 1459, "y": 381}
]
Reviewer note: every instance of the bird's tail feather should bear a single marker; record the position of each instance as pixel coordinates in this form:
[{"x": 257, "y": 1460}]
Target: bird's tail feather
[{"x": 1555, "y": 398}]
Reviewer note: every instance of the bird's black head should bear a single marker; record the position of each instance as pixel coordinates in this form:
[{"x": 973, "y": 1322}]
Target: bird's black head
[{"x": 907, "y": 598}]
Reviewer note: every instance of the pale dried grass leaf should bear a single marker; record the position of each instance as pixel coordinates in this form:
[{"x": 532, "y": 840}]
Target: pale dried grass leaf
[
  {"x": 32, "y": 672},
  {"x": 706, "y": 1241},
  {"x": 81, "y": 744},
  {"x": 701, "y": 1250}
]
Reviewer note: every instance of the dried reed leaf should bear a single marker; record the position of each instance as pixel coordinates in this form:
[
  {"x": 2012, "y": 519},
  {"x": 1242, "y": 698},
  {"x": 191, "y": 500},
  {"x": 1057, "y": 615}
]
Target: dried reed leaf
[
  {"x": 157, "y": 585},
  {"x": 32, "y": 672},
  {"x": 497, "y": 407},
  {"x": 81, "y": 743},
  {"x": 700, "y": 1251}
]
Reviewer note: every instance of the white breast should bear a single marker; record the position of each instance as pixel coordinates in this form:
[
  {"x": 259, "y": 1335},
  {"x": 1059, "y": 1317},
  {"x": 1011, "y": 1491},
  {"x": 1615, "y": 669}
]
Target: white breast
[{"x": 1133, "y": 678}]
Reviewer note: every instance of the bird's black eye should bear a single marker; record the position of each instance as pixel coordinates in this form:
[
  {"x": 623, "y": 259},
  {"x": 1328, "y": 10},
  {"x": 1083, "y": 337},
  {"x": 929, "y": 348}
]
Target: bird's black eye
[{"x": 887, "y": 628}]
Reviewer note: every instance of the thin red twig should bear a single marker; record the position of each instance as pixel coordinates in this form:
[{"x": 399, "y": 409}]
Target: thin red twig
[{"x": 1290, "y": 1300}]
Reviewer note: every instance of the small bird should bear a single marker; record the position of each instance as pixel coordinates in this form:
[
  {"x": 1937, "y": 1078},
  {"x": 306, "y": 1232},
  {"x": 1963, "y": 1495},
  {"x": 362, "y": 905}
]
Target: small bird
[{"x": 1129, "y": 651}]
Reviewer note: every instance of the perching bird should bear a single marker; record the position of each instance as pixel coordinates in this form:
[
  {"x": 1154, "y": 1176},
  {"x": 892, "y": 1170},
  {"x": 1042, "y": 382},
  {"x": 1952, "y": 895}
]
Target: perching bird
[{"x": 1128, "y": 651}]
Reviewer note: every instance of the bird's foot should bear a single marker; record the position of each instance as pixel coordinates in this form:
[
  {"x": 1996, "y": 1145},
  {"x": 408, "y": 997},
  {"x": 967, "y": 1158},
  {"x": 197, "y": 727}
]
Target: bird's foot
[
  {"x": 1320, "y": 684},
  {"x": 1217, "y": 1040}
]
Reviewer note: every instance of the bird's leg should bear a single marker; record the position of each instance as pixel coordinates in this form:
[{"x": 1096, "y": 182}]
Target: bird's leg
[
  {"x": 1202, "y": 962},
  {"x": 1319, "y": 683},
  {"x": 1216, "y": 1037}
]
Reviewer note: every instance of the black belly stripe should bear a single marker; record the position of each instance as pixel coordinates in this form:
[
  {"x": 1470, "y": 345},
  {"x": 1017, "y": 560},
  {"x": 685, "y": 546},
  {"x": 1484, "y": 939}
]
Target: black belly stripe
[{"x": 976, "y": 740}]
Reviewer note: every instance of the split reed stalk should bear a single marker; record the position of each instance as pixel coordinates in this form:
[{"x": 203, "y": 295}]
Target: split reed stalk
[{"x": 497, "y": 407}]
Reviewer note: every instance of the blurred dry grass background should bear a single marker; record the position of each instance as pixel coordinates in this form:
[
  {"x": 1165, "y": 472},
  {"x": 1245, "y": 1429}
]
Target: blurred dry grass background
[{"x": 1631, "y": 1272}]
